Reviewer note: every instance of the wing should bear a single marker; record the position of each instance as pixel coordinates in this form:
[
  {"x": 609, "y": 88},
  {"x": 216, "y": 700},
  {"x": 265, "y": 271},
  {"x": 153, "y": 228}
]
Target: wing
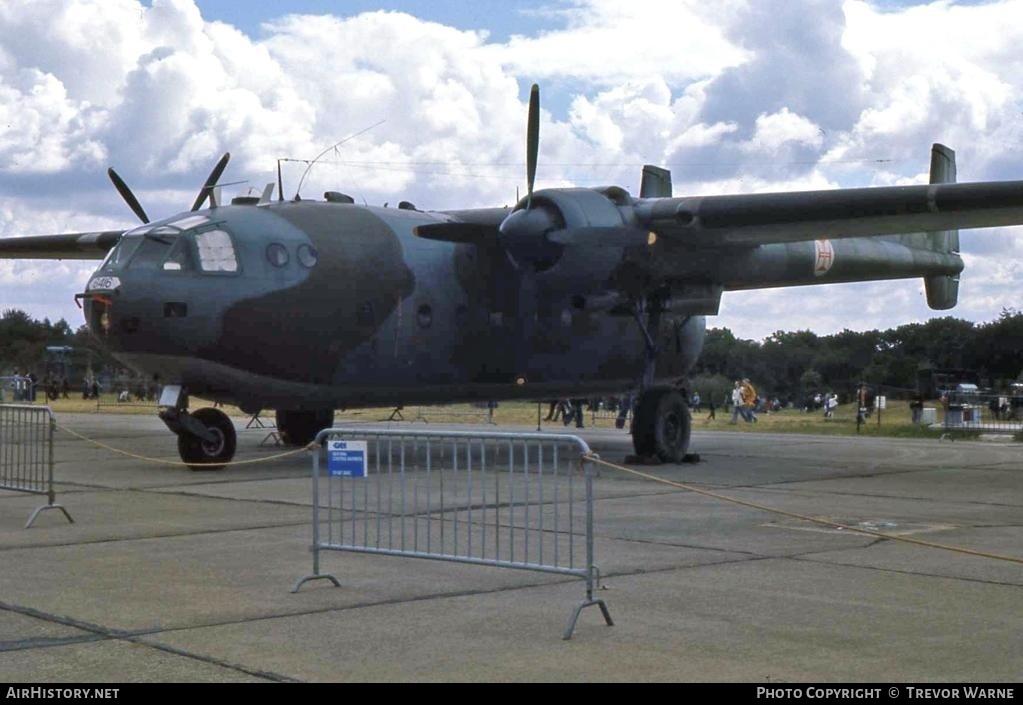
[
  {"x": 778, "y": 218},
  {"x": 67, "y": 246}
]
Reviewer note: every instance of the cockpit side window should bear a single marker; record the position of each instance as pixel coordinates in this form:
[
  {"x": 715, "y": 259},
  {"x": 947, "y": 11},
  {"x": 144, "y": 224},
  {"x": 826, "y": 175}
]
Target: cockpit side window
[
  {"x": 123, "y": 251},
  {"x": 180, "y": 257},
  {"x": 154, "y": 247},
  {"x": 216, "y": 251}
]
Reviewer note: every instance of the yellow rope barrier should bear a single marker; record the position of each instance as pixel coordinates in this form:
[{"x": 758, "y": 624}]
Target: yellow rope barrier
[
  {"x": 180, "y": 463},
  {"x": 804, "y": 517}
]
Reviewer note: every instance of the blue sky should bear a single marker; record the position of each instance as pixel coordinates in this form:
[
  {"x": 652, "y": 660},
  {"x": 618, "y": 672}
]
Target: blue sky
[{"x": 501, "y": 19}]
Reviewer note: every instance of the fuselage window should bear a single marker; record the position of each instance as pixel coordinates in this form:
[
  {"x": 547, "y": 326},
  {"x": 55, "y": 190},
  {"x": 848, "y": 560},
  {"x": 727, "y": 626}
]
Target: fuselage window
[
  {"x": 277, "y": 254},
  {"x": 308, "y": 256},
  {"x": 216, "y": 252}
]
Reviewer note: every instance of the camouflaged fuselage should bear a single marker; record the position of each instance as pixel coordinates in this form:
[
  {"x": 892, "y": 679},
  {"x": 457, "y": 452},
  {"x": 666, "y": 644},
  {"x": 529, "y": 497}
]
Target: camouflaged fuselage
[{"x": 339, "y": 305}]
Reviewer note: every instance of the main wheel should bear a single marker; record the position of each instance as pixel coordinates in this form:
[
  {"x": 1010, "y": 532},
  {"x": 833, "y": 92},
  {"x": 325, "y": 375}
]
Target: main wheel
[
  {"x": 662, "y": 425},
  {"x": 209, "y": 455},
  {"x": 299, "y": 428}
]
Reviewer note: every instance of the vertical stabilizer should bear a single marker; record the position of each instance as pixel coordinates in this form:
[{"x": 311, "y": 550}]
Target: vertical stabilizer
[
  {"x": 656, "y": 183},
  {"x": 942, "y": 291}
]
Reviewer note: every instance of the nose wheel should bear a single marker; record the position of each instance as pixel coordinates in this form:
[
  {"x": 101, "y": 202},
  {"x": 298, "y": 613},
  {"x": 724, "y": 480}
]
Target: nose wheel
[{"x": 216, "y": 449}]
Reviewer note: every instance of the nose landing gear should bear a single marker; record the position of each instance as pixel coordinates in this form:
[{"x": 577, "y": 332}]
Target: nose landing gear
[
  {"x": 212, "y": 454},
  {"x": 206, "y": 438}
]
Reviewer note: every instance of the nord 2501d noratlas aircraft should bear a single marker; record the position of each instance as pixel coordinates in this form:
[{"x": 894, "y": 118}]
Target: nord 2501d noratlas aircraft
[{"x": 310, "y": 306}]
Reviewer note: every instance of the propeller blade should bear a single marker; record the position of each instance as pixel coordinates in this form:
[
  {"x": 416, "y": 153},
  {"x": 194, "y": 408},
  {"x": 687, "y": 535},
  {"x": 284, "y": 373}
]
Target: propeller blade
[
  {"x": 211, "y": 181},
  {"x": 532, "y": 141},
  {"x": 127, "y": 195}
]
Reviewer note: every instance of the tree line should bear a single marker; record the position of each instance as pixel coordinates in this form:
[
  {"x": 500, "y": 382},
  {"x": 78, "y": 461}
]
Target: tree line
[
  {"x": 23, "y": 343},
  {"x": 791, "y": 365}
]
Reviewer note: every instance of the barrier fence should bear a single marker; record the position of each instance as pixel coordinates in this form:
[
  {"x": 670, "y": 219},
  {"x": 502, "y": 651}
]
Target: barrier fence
[
  {"x": 26, "y": 453},
  {"x": 984, "y": 412},
  {"x": 513, "y": 500}
]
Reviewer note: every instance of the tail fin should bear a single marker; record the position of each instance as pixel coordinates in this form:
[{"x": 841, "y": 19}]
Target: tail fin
[
  {"x": 942, "y": 291},
  {"x": 656, "y": 183}
]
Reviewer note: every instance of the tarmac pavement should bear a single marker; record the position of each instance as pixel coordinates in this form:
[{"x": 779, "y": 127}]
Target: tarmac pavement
[{"x": 174, "y": 575}]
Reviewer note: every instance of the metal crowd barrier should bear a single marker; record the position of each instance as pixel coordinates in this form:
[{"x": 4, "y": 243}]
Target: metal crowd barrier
[
  {"x": 997, "y": 413},
  {"x": 26, "y": 453},
  {"x": 514, "y": 500}
]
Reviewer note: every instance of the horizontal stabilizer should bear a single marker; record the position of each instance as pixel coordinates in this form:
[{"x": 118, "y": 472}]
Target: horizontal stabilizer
[{"x": 942, "y": 291}]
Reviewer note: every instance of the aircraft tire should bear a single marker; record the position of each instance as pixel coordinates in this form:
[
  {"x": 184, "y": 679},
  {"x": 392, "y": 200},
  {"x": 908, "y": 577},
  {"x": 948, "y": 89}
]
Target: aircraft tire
[
  {"x": 201, "y": 455},
  {"x": 299, "y": 428},
  {"x": 662, "y": 425}
]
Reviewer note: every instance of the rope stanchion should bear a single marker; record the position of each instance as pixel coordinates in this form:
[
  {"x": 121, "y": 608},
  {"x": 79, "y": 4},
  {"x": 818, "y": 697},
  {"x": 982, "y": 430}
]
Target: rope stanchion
[
  {"x": 179, "y": 463},
  {"x": 794, "y": 515}
]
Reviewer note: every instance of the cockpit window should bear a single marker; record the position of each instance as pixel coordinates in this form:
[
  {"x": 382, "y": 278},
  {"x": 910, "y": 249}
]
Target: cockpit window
[
  {"x": 124, "y": 249},
  {"x": 153, "y": 248},
  {"x": 216, "y": 251},
  {"x": 180, "y": 257}
]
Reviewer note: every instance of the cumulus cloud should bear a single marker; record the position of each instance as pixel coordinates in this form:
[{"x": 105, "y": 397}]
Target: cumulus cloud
[{"x": 735, "y": 96}]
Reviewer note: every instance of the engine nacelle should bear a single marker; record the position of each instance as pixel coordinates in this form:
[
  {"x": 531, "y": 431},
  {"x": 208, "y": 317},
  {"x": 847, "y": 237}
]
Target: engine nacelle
[{"x": 524, "y": 233}]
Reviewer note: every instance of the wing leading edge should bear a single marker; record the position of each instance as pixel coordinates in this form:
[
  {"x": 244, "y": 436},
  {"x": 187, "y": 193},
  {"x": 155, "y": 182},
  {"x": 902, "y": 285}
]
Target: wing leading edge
[
  {"x": 749, "y": 220},
  {"x": 67, "y": 246}
]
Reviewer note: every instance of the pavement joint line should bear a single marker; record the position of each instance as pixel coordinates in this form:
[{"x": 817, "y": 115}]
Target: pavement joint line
[
  {"x": 816, "y": 493},
  {"x": 810, "y": 558},
  {"x": 46, "y": 643},
  {"x": 100, "y": 633},
  {"x": 154, "y": 537}
]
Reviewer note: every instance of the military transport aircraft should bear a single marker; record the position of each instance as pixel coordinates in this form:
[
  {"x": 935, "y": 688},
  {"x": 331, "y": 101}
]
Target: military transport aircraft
[{"x": 310, "y": 306}]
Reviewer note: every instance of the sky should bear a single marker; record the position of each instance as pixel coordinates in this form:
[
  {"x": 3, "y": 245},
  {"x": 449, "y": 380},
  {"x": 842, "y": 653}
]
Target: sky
[{"x": 735, "y": 96}]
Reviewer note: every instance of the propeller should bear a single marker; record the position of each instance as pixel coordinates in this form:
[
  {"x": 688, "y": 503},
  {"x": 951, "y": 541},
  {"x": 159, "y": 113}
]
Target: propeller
[
  {"x": 204, "y": 193},
  {"x": 127, "y": 195},
  {"x": 532, "y": 141},
  {"x": 211, "y": 181},
  {"x": 524, "y": 228}
]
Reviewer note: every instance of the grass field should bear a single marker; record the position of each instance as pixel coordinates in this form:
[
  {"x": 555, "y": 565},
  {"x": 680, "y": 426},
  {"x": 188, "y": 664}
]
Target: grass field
[{"x": 895, "y": 421}]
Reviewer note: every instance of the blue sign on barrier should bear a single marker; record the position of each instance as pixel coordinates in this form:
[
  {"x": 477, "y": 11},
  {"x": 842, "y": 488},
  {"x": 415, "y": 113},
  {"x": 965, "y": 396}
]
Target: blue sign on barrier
[{"x": 346, "y": 458}]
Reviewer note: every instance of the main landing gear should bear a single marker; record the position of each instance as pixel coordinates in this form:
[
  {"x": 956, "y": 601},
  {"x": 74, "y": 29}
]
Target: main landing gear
[
  {"x": 661, "y": 422},
  {"x": 662, "y": 425},
  {"x": 299, "y": 428}
]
